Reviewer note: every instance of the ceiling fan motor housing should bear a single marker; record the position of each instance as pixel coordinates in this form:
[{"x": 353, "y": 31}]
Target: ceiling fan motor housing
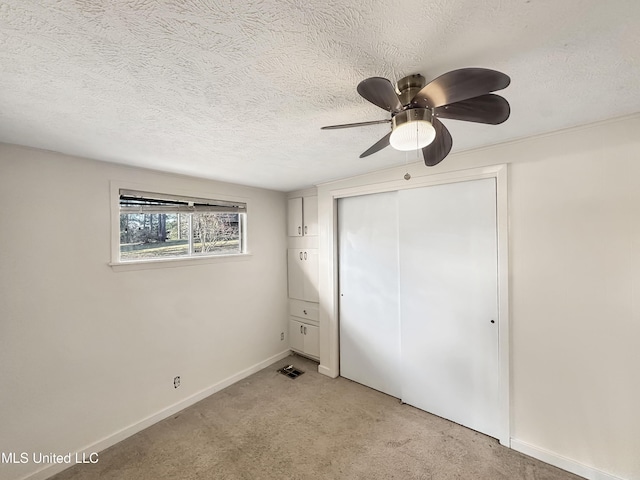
[{"x": 409, "y": 86}]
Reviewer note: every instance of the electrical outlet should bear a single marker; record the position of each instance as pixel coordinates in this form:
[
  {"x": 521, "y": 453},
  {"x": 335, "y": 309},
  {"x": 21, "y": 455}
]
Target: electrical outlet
[
  {"x": 281, "y": 336},
  {"x": 176, "y": 382}
]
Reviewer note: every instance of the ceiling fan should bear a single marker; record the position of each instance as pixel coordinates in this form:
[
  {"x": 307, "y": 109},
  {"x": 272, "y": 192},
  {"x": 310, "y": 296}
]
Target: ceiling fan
[{"x": 416, "y": 105}]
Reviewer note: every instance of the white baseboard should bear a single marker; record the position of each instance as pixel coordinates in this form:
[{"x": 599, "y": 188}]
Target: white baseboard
[
  {"x": 559, "y": 461},
  {"x": 126, "y": 432},
  {"x": 326, "y": 371}
]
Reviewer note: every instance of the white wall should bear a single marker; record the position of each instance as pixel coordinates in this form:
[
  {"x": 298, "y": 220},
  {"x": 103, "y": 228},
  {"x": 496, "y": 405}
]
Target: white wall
[
  {"x": 575, "y": 267},
  {"x": 86, "y": 351},
  {"x": 574, "y": 212}
]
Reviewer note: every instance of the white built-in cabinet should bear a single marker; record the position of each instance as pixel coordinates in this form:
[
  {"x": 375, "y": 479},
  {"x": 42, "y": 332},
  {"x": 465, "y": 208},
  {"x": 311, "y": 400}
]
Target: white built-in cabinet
[
  {"x": 302, "y": 269},
  {"x": 302, "y": 216},
  {"x": 303, "y": 328},
  {"x": 303, "y": 273}
]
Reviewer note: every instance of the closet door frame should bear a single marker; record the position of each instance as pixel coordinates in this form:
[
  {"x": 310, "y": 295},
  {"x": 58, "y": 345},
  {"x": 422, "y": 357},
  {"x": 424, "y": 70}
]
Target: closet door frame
[{"x": 328, "y": 196}]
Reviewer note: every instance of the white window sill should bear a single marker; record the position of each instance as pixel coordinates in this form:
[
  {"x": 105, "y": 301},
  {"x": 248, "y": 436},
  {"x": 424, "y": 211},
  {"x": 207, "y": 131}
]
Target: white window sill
[{"x": 127, "y": 266}]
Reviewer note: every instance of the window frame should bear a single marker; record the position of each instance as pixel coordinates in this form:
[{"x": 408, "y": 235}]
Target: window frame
[{"x": 151, "y": 263}]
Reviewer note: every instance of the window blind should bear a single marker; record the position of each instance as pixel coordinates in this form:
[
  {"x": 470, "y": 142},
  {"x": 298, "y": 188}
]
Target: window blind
[{"x": 133, "y": 201}]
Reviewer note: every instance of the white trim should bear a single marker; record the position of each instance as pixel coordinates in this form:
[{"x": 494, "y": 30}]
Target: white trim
[
  {"x": 417, "y": 182},
  {"x": 305, "y": 192},
  {"x": 328, "y": 266},
  {"x": 504, "y": 322},
  {"x": 326, "y": 371},
  {"x": 126, "y": 432},
  {"x": 559, "y": 461},
  {"x": 177, "y": 262}
]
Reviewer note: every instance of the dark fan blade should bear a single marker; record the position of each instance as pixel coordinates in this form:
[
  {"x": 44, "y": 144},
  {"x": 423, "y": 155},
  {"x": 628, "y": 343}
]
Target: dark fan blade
[
  {"x": 459, "y": 85},
  {"x": 489, "y": 108},
  {"x": 435, "y": 152},
  {"x": 379, "y": 145},
  {"x": 349, "y": 125},
  {"x": 380, "y": 92}
]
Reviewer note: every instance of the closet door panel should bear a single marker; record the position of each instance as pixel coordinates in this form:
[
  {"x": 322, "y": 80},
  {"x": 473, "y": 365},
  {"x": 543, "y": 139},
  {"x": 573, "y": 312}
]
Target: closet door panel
[
  {"x": 368, "y": 276},
  {"x": 448, "y": 298}
]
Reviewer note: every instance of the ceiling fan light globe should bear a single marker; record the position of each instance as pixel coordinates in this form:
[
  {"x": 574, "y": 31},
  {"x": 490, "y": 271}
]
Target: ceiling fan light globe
[
  {"x": 412, "y": 136},
  {"x": 412, "y": 130}
]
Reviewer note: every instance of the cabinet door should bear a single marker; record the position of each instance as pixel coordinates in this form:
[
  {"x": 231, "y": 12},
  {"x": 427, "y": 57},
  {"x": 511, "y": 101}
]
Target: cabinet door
[
  {"x": 294, "y": 217},
  {"x": 296, "y": 335},
  {"x": 303, "y": 274},
  {"x": 310, "y": 215},
  {"x": 310, "y": 273},
  {"x": 296, "y": 275},
  {"x": 311, "y": 340}
]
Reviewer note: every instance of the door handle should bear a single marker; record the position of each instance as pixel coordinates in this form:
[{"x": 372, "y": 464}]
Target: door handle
[
  {"x": 305, "y": 330},
  {"x": 305, "y": 255},
  {"x": 300, "y": 255},
  {"x": 300, "y": 328},
  {"x": 299, "y": 230},
  {"x": 305, "y": 229},
  {"x": 304, "y": 311}
]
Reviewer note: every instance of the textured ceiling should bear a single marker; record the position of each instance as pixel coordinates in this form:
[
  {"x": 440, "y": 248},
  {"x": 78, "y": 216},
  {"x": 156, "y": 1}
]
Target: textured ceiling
[{"x": 238, "y": 90}]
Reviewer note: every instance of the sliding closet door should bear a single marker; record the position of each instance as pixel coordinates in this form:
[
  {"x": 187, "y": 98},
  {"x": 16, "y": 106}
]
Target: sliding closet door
[
  {"x": 448, "y": 300},
  {"x": 368, "y": 276}
]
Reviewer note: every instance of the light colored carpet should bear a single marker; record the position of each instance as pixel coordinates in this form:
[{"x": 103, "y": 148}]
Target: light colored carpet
[{"x": 271, "y": 427}]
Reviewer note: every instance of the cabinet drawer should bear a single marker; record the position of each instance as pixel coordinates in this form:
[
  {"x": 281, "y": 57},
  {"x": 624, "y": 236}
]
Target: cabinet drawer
[{"x": 307, "y": 310}]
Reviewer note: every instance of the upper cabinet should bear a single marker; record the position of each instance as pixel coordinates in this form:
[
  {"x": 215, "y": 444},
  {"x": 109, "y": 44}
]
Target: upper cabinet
[
  {"x": 310, "y": 215},
  {"x": 302, "y": 216},
  {"x": 294, "y": 217}
]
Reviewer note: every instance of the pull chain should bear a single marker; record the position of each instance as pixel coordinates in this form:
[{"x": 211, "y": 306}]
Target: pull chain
[
  {"x": 407, "y": 176},
  {"x": 406, "y": 163}
]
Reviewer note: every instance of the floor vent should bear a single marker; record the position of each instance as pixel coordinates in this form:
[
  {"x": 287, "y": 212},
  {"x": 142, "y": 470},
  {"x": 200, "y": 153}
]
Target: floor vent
[{"x": 291, "y": 371}]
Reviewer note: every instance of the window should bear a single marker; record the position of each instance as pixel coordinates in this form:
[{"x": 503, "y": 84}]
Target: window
[{"x": 159, "y": 226}]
